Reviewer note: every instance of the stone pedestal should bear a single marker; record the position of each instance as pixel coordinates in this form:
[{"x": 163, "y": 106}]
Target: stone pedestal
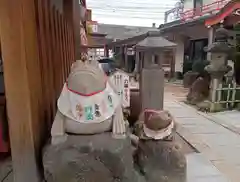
[
  {"x": 152, "y": 87},
  {"x": 161, "y": 161},
  {"x": 215, "y": 82},
  {"x": 90, "y": 158},
  {"x": 217, "y": 74}
]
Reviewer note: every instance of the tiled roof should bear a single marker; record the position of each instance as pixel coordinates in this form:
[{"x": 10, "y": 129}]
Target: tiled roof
[
  {"x": 121, "y": 31},
  {"x": 155, "y": 42}
]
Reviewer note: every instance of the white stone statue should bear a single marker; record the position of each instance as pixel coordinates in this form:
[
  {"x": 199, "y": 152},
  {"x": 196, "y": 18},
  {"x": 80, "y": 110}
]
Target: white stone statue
[{"x": 87, "y": 105}]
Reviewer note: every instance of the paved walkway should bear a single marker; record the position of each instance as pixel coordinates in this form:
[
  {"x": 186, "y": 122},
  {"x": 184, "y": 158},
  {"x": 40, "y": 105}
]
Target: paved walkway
[
  {"x": 210, "y": 134},
  {"x": 199, "y": 169},
  {"x": 6, "y": 171},
  {"x": 228, "y": 119}
]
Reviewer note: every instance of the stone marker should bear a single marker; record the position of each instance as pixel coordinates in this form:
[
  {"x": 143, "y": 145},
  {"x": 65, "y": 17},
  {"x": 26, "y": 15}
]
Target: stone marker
[
  {"x": 152, "y": 87},
  {"x": 158, "y": 156}
]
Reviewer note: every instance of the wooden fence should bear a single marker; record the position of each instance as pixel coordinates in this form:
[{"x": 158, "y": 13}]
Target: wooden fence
[
  {"x": 38, "y": 42},
  {"x": 228, "y": 95},
  {"x": 56, "y": 46}
]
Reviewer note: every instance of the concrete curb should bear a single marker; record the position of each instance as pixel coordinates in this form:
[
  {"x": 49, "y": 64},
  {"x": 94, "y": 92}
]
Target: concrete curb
[
  {"x": 217, "y": 159},
  {"x": 213, "y": 119}
]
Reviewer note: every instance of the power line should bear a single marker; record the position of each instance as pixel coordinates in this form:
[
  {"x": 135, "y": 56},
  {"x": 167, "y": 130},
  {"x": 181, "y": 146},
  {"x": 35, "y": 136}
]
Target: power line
[
  {"x": 134, "y": 17},
  {"x": 149, "y": 7},
  {"x": 126, "y": 11},
  {"x": 130, "y": 8},
  {"x": 150, "y": 10},
  {"x": 157, "y": 15},
  {"x": 133, "y": 4},
  {"x": 170, "y": 2},
  {"x": 154, "y": 9}
]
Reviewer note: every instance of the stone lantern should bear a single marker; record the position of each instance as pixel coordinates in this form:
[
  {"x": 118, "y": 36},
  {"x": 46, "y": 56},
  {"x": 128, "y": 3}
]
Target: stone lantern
[
  {"x": 152, "y": 73},
  {"x": 219, "y": 50}
]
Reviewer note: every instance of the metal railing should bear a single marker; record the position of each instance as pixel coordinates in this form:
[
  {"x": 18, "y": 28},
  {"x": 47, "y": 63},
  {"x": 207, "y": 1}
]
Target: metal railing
[
  {"x": 212, "y": 8},
  {"x": 173, "y": 14},
  {"x": 207, "y": 9}
]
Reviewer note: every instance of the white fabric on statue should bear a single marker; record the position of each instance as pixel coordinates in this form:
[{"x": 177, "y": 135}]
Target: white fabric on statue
[
  {"x": 94, "y": 108},
  {"x": 119, "y": 125},
  {"x": 87, "y": 105},
  {"x": 160, "y": 134}
]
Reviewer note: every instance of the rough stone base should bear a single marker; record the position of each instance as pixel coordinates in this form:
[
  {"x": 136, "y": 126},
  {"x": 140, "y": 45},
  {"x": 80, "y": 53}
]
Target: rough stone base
[
  {"x": 199, "y": 91},
  {"x": 189, "y": 79},
  {"x": 101, "y": 158},
  {"x": 161, "y": 161},
  {"x": 91, "y": 158}
]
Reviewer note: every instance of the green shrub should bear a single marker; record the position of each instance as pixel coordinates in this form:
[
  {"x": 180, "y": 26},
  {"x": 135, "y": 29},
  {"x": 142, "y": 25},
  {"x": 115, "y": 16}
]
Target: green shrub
[
  {"x": 187, "y": 65},
  {"x": 199, "y": 66}
]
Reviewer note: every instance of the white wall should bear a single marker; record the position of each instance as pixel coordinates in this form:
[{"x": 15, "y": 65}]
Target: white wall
[
  {"x": 195, "y": 32},
  {"x": 179, "y": 54},
  {"x": 208, "y": 1},
  {"x": 179, "y": 35},
  {"x": 188, "y": 4}
]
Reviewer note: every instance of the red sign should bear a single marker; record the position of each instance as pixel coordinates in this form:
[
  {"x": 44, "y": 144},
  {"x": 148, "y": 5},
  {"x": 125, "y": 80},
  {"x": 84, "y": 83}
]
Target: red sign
[{"x": 227, "y": 10}]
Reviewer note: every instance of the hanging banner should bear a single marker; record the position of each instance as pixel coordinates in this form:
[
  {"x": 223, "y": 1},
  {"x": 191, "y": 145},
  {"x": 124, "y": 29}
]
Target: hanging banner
[{"x": 83, "y": 36}]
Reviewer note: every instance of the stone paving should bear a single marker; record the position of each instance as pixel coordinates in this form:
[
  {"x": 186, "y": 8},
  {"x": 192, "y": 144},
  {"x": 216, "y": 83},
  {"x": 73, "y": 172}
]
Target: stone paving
[
  {"x": 5, "y": 170},
  {"x": 219, "y": 143},
  {"x": 228, "y": 119},
  {"x": 199, "y": 169}
]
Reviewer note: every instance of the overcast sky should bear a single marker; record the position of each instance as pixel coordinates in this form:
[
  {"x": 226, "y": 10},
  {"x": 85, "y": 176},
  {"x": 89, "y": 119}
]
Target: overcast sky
[{"x": 130, "y": 12}]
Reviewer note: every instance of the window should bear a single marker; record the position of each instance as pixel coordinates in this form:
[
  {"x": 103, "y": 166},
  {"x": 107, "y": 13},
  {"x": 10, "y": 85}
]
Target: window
[
  {"x": 197, "y": 5},
  {"x": 198, "y": 49},
  {"x": 156, "y": 59}
]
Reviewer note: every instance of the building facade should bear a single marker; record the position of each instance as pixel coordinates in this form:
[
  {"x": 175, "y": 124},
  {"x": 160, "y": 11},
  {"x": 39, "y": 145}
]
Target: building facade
[{"x": 187, "y": 25}]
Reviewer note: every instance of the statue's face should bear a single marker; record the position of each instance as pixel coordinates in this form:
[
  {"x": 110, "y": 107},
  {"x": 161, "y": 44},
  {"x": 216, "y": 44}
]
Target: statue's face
[{"x": 86, "y": 81}]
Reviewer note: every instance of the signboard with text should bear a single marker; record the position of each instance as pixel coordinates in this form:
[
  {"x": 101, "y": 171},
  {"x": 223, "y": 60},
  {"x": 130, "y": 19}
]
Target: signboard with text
[
  {"x": 92, "y": 27},
  {"x": 121, "y": 81}
]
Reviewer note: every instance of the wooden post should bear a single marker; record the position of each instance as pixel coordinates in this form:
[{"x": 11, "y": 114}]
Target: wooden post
[
  {"x": 161, "y": 57},
  {"x": 141, "y": 57},
  {"x": 137, "y": 63},
  {"x": 72, "y": 13},
  {"x": 147, "y": 60},
  {"x": 210, "y": 40},
  {"x": 126, "y": 58},
  {"x": 172, "y": 65},
  {"x": 122, "y": 56},
  {"x": 106, "y": 51},
  {"x": 22, "y": 84}
]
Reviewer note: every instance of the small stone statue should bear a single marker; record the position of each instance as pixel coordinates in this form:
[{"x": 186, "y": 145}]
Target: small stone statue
[
  {"x": 159, "y": 158},
  {"x": 87, "y": 105},
  {"x": 82, "y": 148},
  {"x": 199, "y": 91},
  {"x": 89, "y": 140},
  {"x": 150, "y": 122}
]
